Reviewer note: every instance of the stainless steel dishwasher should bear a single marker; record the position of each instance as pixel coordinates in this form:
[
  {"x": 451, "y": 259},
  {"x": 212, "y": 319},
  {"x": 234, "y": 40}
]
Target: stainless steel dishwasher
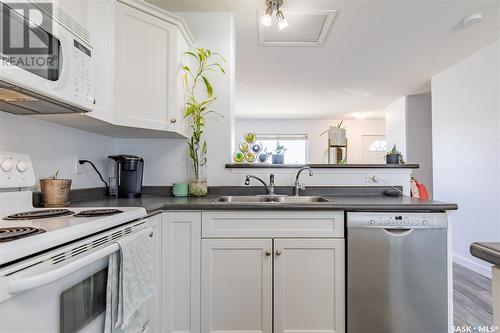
[{"x": 397, "y": 273}]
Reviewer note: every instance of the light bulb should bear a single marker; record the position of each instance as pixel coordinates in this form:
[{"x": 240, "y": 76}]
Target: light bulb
[
  {"x": 267, "y": 18},
  {"x": 282, "y": 22}
]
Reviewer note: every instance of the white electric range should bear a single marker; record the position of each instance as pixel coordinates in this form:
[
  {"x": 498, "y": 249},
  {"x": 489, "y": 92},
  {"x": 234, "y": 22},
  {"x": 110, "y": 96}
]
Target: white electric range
[{"x": 53, "y": 261}]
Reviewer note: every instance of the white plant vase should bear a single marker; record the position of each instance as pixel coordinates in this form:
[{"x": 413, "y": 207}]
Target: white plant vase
[{"x": 337, "y": 136}]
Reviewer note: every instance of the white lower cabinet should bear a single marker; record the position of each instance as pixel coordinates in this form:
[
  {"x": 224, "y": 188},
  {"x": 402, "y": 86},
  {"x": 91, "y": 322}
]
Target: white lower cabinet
[
  {"x": 242, "y": 277},
  {"x": 236, "y": 291},
  {"x": 240, "y": 284},
  {"x": 181, "y": 241},
  {"x": 309, "y": 284},
  {"x": 154, "y": 222}
]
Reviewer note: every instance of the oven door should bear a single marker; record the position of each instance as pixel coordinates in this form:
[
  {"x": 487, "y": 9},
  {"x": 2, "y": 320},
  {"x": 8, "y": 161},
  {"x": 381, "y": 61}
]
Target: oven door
[
  {"x": 39, "y": 55},
  {"x": 65, "y": 297}
]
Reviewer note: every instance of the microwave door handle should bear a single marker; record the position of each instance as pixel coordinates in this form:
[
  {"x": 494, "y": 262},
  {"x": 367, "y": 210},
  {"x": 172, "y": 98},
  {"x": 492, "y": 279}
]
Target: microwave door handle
[{"x": 26, "y": 283}]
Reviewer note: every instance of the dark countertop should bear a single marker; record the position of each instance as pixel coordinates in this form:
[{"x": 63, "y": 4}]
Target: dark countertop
[
  {"x": 489, "y": 252},
  {"x": 155, "y": 203},
  {"x": 320, "y": 166}
]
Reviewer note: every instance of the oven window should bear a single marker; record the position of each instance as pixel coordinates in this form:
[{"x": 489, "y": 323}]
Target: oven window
[
  {"x": 84, "y": 302},
  {"x": 27, "y": 42}
]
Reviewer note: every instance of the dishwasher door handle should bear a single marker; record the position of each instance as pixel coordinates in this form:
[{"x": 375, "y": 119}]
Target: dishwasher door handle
[{"x": 398, "y": 232}]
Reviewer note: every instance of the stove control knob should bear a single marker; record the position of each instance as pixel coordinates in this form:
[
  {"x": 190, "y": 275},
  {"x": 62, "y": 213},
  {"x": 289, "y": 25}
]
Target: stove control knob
[
  {"x": 424, "y": 222},
  {"x": 372, "y": 222},
  {"x": 21, "y": 166},
  {"x": 6, "y": 165}
]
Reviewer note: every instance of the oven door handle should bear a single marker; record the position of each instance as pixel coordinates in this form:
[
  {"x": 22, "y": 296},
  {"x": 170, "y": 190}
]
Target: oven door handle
[{"x": 26, "y": 283}]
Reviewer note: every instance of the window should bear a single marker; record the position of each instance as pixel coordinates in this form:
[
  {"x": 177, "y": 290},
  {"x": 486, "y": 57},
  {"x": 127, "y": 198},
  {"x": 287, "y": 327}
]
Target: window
[
  {"x": 296, "y": 146},
  {"x": 378, "y": 145}
]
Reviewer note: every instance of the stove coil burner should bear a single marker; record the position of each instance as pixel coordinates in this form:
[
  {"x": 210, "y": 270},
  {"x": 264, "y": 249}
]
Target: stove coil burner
[
  {"x": 13, "y": 233},
  {"x": 39, "y": 214},
  {"x": 98, "y": 212}
]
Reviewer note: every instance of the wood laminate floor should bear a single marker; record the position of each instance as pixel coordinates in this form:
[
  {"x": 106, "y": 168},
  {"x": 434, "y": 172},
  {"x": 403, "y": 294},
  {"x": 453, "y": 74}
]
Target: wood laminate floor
[{"x": 471, "y": 298}]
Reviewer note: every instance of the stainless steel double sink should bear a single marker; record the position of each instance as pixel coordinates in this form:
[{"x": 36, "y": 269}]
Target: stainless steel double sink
[{"x": 271, "y": 199}]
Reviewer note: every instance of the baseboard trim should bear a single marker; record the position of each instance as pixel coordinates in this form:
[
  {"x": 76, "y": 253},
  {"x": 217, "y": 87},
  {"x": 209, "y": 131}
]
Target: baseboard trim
[{"x": 484, "y": 269}]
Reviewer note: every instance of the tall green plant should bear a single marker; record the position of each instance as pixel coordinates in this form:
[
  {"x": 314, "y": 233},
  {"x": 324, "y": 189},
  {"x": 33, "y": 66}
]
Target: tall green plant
[{"x": 200, "y": 96}]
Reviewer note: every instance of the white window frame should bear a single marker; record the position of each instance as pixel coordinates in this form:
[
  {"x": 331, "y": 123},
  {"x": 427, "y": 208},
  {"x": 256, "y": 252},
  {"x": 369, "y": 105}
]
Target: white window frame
[
  {"x": 279, "y": 137},
  {"x": 378, "y": 150}
]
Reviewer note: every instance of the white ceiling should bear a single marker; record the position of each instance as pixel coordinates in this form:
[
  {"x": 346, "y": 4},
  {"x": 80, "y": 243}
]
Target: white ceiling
[{"x": 376, "y": 52}]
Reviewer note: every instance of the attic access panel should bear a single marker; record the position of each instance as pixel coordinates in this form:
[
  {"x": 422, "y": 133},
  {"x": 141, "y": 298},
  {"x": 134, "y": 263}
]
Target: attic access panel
[{"x": 306, "y": 28}]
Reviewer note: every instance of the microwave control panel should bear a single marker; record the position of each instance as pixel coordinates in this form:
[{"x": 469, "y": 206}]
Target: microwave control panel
[{"x": 82, "y": 81}]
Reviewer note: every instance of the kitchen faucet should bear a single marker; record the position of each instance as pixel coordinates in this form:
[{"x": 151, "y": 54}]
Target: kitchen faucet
[
  {"x": 270, "y": 188},
  {"x": 298, "y": 186}
]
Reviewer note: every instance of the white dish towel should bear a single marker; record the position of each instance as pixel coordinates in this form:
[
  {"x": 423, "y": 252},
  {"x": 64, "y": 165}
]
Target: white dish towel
[{"x": 130, "y": 284}]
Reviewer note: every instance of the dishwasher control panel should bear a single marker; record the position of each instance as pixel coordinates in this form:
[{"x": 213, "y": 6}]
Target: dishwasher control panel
[{"x": 397, "y": 220}]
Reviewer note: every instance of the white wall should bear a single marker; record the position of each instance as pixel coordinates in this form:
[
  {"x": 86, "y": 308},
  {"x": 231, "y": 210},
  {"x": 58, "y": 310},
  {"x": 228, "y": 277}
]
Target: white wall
[
  {"x": 419, "y": 136},
  {"x": 313, "y": 128},
  {"x": 55, "y": 147},
  {"x": 395, "y": 125},
  {"x": 165, "y": 160},
  {"x": 466, "y": 149}
]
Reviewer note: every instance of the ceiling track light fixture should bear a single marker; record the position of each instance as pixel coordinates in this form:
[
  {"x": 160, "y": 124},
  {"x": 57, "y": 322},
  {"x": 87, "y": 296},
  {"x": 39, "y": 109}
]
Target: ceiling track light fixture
[{"x": 271, "y": 6}]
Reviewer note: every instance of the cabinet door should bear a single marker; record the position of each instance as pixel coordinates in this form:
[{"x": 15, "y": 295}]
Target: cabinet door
[
  {"x": 154, "y": 222},
  {"x": 100, "y": 18},
  {"x": 181, "y": 271},
  {"x": 176, "y": 111},
  {"x": 236, "y": 285},
  {"x": 309, "y": 285},
  {"x": 143, "y": 51}
]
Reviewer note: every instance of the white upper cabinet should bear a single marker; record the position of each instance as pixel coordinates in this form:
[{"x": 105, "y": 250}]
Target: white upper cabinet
[
  {"x": 143, "y": 53},
  {"x": 101, "y": 23},
  {"x": 138, "y": 51}
]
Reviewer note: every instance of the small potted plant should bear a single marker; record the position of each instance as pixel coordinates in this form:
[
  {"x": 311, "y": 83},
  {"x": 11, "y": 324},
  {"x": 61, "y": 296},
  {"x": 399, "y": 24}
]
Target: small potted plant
[
  {"x": 279, "y": 154},
  {"x": 263, "y": 156},
  {"x": 196, "y": 111},
  {"x": 394, "y": 156},
  {"x": 55, "y": 191}
]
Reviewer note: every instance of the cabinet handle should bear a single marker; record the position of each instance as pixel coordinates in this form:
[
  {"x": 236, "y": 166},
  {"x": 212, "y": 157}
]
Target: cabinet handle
[
  {"x": 278, "y": 253},
  {"x": 268, "y": 253},
  {"x": 173, "y": 120}
]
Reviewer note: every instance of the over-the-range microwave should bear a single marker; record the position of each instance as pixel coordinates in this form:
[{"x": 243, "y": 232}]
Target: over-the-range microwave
[{"x": 46, "y": 60}]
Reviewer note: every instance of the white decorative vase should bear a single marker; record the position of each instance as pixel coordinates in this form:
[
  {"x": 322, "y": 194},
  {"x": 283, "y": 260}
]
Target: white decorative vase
[{"x": 337, "y": 136}]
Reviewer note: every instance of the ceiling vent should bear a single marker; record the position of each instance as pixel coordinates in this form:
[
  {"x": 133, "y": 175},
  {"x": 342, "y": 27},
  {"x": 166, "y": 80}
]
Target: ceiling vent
[{"x": 307, "y": 27}]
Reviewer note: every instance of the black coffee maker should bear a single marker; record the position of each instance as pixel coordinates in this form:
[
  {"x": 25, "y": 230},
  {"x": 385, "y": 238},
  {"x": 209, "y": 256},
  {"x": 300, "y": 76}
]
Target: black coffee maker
[{"x": 125, "y": 176}]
